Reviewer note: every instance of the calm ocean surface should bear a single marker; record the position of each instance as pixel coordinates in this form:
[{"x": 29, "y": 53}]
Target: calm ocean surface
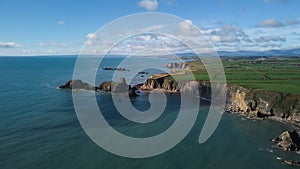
[{"x": 39, "y": 128}]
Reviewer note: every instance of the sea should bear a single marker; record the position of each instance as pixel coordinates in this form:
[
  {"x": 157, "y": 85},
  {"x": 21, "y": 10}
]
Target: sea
[{"x": 39, "y": 128}]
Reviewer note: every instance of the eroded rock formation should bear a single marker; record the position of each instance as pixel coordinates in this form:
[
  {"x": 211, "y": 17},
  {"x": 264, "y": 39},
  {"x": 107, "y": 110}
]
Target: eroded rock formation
[
  {"x": 288, "y": 141},
  {"x": 262, "y": 104}
]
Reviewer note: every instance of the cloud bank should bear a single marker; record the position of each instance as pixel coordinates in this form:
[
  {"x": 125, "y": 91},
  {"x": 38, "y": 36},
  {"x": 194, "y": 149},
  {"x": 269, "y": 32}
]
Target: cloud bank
[
  {"x": 276, "y": 24},
  {"x": 9, "y": 45}
]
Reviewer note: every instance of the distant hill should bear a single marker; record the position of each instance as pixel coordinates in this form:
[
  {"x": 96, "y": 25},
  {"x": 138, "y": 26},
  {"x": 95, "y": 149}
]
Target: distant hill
[{"x": 291, "y": 52}]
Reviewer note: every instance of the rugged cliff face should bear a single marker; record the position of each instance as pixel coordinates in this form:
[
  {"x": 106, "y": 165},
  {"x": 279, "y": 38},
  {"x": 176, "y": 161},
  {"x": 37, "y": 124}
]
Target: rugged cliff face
[
  {"x": 162, "y": 81},
  {"x": 248, "y": 102},
  {"x": 118, "y": 87},
  {"x": 258, "y": 103}
]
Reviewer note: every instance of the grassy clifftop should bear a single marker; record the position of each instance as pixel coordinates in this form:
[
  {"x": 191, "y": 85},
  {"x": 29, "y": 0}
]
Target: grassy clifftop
[{"x": 275, "y": 74}]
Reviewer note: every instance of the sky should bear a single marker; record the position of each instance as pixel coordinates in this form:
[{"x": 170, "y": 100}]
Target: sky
[{"x": 63, "y": 27}]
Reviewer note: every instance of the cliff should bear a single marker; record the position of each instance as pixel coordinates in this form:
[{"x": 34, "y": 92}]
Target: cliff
[
  {"x": 246, "y": 101},
  {"x": 118, "y": 87},
  {"x": 161, "y": 81},
  {"x": 258, "y": 103}
]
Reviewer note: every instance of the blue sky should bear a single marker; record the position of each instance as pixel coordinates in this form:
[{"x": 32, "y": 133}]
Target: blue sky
[{"x": 32, "y": 27}]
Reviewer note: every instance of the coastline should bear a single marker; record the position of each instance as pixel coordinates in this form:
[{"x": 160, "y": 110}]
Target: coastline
[{"x": 237, "y": 102}]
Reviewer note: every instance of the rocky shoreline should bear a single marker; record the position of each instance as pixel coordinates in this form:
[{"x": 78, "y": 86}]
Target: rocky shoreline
[{"x": 252, "y": 103}]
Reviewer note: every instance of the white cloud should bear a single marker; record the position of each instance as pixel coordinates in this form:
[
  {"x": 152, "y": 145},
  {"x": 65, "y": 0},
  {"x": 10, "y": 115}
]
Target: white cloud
[
  {"x": 270, "y": 23},
  {"x": 186, "y": 28},
  {"x": 27, "y": 51},
  {"x": 117, "y": 33},
  {"x": 93, "y": 39},
  {"x": 216, "y": 38},
  {"x": 153, "y": 28},
  {"x": 92, "y": 36},
  {"x": 187, "y": 24},
  {"x": 231, "y": 38},
  {"x": 52, "y": 44},
  {"x": 9, "y": 45},
  {"x": 263, "y": 39},
  {"x": 229, "y": 34},
  {"x": 296, "y": 33},
  {"x": 148, "y": 43},
  {"x": 275, "y": 23},
  {"x": 50, "y": 51},
  {"x": 269, "y": 42},
  {"x": 292, "y": 22},
  {"x": 150, "y": 5},
  {"x": 169, "y": 2},
  {"x": 284, "y": 36},
  {"x": 61, "y": 22}
]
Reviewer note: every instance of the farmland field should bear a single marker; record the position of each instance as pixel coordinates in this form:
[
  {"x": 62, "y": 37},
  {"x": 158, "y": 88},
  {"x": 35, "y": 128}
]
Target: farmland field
[{"x": 276, "y": 74}]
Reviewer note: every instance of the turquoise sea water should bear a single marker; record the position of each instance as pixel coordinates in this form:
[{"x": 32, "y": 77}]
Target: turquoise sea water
[{"x": 39, "y": 127}]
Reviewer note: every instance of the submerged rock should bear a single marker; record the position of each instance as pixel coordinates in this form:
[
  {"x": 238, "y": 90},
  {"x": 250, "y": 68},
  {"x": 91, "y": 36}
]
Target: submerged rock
[{"x": 288, "y": 141}]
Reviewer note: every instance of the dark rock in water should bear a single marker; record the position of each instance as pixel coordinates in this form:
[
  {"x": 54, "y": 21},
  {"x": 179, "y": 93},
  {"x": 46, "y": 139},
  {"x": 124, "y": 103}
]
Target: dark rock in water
[
  {"x": 292, "y": 163},
  {"x": 143, "y": 73},
  {"x": 117, "y": 69},
  {"x": 77, "y": 84},
  {"x": 288, "y": 141}
]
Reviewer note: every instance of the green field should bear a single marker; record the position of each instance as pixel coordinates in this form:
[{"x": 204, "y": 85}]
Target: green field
[{"x": 276, "y": 74}]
